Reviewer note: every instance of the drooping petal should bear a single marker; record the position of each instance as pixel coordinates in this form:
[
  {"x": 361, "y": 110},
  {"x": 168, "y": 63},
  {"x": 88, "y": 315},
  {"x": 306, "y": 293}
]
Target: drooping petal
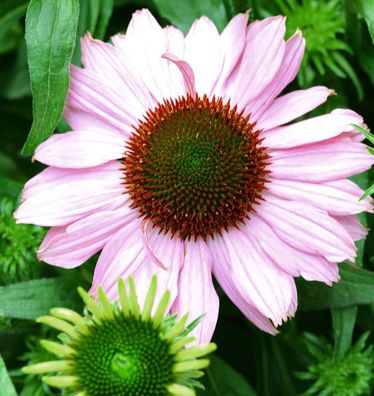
[
  {"x": 332, "y": 159},
  {"x": 340, "y": 197},
  {"x": 293, "y": 261},
  {"x": 204, "y": 53},
  {"x": 312, "y": 130},
  {"x": 70, "y": 246},
  {"x": 223, "y": 273},
  {"x": 258, "y": 279},
  {"x": 260, "y": 62},
  {"x": 353, "y": 226},
  {"x": 81, "y": 148},
  {"x": 292, "y": 105},
  {"x": 196, "y": 293},
  {"x": 307, "y": 228},
  {"x": 56, "y": 197}
]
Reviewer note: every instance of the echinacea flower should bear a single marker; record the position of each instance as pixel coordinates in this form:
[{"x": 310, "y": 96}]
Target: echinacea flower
[
  {"x": 116, "y": 350},
  {"x": 182, "y": 163}
]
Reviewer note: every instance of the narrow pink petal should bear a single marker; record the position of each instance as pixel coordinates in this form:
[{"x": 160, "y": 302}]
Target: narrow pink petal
[
  {"x": 307, "y": 228},
  {"x": 332, "y": 159},
  {"x": 292, "y": 105},
  {"x": 293, "y": 261},
  {"x": 232, "y": 40},
  {"x": 286, "y": 73},
  {"x": 260, "y": 62},
  {"x": 223, "y": 273},
  {"x": 196, "y": 294},
  {"x": 353, "y": 226},
  {"x": 340, "y": 197},
  {"x": 204, "y": 53},
  {"x": 186, "y": 71},
  {"x": 81, "y": 148},
  {"x": 70, "y": 246},
  {"x": 57, "y": 197},
  {"x": 310, "y": 131},
  {"x": 264, "y": 285}
]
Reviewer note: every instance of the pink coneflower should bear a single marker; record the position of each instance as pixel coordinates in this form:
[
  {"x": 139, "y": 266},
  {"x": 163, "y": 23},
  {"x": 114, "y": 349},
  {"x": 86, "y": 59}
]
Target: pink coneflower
[{"x": 181, "y": 163}]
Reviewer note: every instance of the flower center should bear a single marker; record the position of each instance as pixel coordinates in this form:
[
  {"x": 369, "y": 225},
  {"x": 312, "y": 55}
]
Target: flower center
[
  {"x": 195, "y": 166},
  {"x": 124, "y": 356}
]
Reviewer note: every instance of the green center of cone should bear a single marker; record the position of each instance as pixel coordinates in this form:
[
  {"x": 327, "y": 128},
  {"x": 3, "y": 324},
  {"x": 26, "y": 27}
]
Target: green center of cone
[
  {"x": 123, "y": 357},
  {"x": 195, "y": 166}
]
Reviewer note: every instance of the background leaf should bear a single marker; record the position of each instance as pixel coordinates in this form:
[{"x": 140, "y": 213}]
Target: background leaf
[
  {"x": 355, "y": 287},
  {"x": 51, "y": 27},
  {"x": 223, "y": 380},
  {"x": 31, "y": 299},
  {"x": 183, "y": 13},
  {"x": 6, "y": 385}
]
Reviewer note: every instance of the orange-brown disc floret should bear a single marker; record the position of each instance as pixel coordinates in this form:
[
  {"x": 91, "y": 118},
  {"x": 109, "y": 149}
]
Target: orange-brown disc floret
[{"x": 195, "y": 166}]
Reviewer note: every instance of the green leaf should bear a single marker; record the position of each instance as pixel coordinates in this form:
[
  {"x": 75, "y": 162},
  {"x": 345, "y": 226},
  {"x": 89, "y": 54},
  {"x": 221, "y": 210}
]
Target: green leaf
[
  {"x": 6, "y": 385},
  {"x": 106, "y": 9},
  {"x": 343, "y": 323},
  {"x": 183, "y": 13},
  {"x": 355, "y": 287},
  {"x": 368, "y": 192},
  {"x": 9, "y": 188},
  {"x": 369, "y": 136},
  {"x": 51, "y": 27},
  {"x": 367, "y": 9},
  {"x": 223, "y": 380},
  {"x": 31, "y": 299},
  {"x": 11, "y": 11}
]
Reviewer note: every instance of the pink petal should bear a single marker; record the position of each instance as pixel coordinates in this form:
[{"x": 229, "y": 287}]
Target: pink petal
[
  {"x": 340, "y": 197},
  {"x": 233, "y": 43},
  {"x": 197, "y": 295},
  {"x": 307, "y": 228},
  {"x": 123, "y": 255},
  {"x": 261, "y": 283},
  {"x": 204, "y": 53},
  {"x": 260, "y": 62},
  {"x": 292, "y": 105},
  {"x": 286, "y": 72},
  {"x": 353, "y": 226},
  {"x": 113, "y": 67},
  {"x": 223, "y": 273},
  {"x": 310, "y": 131},
  {"x": 143, "y": 45},
  {"x": 90, "y": 94},
  {"x": 293, "y": 261},
  {"x": 70, "y": 246},
  {"x": 81, "y": 148},
  {"x": 57, "y": 197},
  {"x": 332, "y": 159}
]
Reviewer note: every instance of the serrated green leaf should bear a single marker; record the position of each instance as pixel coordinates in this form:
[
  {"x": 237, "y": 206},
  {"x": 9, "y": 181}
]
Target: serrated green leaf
[
  {"x": 183, "y": 13},
  {"x": 51, "y": 27},
  {"x": 31, "y": 299},
  {"x": 6, "y": 385},
  {"x": 355, "y": 287},
  {"x": 223, "y": 380}
]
